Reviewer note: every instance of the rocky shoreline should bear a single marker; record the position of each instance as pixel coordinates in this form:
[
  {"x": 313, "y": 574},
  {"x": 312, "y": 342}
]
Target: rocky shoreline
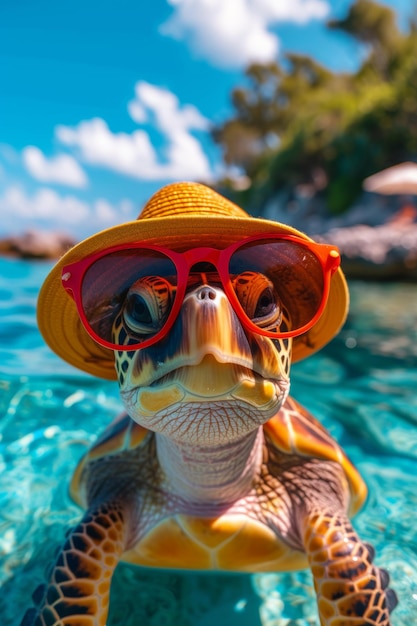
[
  {"x": 36, "y": 244},
  {"x": 381, "y": 252},
  {"x": 377, "y": 237},
  {"x": 386, "y": 252}
]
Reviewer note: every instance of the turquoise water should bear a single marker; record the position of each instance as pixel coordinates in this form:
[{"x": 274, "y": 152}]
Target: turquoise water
[{"x": 362, "y": 386}]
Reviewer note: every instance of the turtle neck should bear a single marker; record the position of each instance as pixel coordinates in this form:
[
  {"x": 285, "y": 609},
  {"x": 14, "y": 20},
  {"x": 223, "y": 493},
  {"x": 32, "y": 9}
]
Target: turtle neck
[{"x": 215, "y": 474}]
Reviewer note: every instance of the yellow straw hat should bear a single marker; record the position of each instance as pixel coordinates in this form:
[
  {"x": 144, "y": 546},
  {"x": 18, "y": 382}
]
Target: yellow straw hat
[{"x": 178, "y": 216}]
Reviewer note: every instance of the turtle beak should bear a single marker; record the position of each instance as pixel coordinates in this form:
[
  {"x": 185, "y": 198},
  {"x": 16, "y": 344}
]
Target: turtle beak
[{"x": 212, "y": 327}]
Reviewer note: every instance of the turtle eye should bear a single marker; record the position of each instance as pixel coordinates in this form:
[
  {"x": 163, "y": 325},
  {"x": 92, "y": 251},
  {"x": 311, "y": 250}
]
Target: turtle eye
[
  {"x": 147, "y": 305},
  {"x": 266, "y": 303},
  {"x": 137, "y": 309},
  {"x": 259, "y": 300}
]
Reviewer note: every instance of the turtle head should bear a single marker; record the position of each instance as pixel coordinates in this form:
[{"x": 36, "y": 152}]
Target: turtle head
[{"x": 209, "y": 380}]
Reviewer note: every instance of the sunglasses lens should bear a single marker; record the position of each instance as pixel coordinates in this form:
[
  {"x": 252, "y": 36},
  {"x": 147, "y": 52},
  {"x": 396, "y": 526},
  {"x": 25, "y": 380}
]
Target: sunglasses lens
[
  {"x": 127, "y": 295},
  {"x": 279, "y": 283}
]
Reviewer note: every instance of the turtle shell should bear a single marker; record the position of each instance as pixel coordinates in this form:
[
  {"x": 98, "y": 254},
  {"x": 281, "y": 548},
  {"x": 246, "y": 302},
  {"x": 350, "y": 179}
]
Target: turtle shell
[
  {"x": 232, "y": 540},
  {"x": 295, "y": 431},
  {"x": 122, "y": 435}
]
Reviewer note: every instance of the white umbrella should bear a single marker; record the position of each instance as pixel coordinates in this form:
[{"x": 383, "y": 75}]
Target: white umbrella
[{"x": 400, "y": 179}]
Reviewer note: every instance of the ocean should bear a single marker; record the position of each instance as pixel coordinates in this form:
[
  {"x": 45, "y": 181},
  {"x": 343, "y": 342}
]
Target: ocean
[{"x": 362, "y": 387}]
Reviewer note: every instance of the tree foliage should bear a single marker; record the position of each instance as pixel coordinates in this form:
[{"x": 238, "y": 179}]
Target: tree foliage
[{"x": 295, "y": 118}]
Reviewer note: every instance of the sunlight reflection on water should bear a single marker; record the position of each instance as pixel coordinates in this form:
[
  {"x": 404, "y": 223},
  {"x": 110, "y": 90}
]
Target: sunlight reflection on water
[{"x": 362, "y": 387}]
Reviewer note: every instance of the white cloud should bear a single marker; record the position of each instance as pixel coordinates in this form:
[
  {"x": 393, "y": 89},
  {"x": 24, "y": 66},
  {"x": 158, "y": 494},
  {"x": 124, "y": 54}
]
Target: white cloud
[
  {"x": 47, "y": 209},
  {"x": 133, "y": 154},
  {"x": 129, "y": 154},
  {"x": 44, "y": 204},
  {"x": 234, "y": 33},
  {"x": 108, "y": 214},
  {"x": 298, "y": 11},
  {"x": 62, "y": 169}
]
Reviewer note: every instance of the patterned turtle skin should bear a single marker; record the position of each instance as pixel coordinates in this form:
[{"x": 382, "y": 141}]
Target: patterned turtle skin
[{"x": 213, "y": 467}]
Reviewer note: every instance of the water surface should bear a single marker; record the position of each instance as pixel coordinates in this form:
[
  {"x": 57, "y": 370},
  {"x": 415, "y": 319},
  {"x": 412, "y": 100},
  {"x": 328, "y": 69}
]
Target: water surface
[{"x": 362, "y": 387}]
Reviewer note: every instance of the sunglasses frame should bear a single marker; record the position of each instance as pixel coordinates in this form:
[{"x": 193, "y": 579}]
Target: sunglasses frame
[{"x": 74, "y": 273}]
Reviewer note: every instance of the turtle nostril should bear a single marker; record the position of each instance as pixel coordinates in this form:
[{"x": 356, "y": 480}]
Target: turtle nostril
[{"x": 206, "y": 293}]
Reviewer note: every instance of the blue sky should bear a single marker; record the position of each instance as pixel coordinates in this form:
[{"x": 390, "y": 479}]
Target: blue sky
[{"x": 103, "y": 102}]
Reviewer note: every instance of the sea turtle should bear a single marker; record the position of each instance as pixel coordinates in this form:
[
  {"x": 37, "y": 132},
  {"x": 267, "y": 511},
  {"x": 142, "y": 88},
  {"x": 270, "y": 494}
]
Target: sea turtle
[{"x": 214, "y": 466}]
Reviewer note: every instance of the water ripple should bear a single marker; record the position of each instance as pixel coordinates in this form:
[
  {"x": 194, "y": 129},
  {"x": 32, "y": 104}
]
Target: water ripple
[{"x": 362, "y": 387}]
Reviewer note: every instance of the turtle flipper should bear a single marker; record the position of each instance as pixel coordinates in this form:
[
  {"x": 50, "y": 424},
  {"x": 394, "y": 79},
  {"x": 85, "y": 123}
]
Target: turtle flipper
[
  {"x": 351, "y": 591},
  {"x": 78, "y": 590}
]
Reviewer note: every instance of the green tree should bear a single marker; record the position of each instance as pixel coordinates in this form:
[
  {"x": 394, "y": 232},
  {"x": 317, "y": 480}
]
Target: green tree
[
  {"x": 375, "y": 26},
  {"x": 267, "y": 107},
  {"x": 294, "y": 118}
]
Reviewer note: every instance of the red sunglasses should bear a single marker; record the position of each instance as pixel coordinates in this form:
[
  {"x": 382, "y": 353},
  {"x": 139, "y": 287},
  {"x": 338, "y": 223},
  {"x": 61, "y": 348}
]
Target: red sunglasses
[{"x": 278, "y": 286}]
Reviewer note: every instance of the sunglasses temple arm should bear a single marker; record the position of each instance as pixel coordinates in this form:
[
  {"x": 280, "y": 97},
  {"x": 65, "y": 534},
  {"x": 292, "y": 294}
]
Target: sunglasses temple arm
[{"x": 333, "y": 261}]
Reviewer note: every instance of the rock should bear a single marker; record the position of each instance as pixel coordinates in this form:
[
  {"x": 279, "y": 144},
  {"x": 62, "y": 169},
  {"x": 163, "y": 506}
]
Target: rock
[
  {"x": 386, "y": 252},
  {"x": 377, "y": 236},
  {"x": 36, "y": 245}
]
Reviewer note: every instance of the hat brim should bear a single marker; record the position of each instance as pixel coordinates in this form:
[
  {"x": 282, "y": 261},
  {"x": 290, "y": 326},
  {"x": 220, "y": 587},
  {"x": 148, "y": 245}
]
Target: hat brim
[{"x": 61, "y": 327}]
